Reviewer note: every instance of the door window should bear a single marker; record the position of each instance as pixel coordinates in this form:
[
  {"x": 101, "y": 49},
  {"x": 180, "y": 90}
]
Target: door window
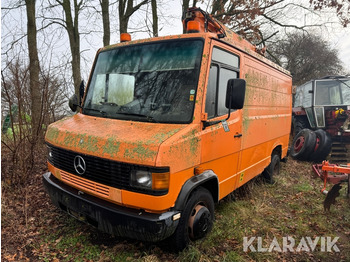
[{"x": 224, "y": 66}]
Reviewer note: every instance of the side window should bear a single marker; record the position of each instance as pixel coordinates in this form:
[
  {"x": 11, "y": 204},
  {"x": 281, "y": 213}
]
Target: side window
[
  {"x": 225, "y": 75},
  {"x": 210, "y": 102},
  {"x": 224, "y": 66},
  {"x": 307, "y": 96},
  {"x": 225, "y": 57},
  {"x": 298, "y": 98}
]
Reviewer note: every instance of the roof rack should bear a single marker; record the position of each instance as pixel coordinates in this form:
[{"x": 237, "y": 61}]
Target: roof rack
[{"x": 207, "y": 21}]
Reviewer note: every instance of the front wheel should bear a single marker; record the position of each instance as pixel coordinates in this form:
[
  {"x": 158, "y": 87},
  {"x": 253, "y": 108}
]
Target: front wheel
[{"x": 196, "y": 219}]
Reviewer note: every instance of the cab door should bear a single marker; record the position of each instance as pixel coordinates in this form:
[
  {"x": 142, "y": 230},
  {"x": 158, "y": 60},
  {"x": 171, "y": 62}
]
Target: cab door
[{"x": 221, "y": 142}]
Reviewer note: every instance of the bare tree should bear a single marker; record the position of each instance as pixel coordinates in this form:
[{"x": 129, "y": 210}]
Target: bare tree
[
  {"x": 70, "y": 23},
  {"x": 126, "y": 9},
  {"x": 17, "y": 140},
  {"x": 154, "y": 18},
  {"x": 342, "y": 8},
  {"x": 306, "y": 56},
  {"x": 186, "y": 4},
  {"x": 247, "y": 17},
  {"x": 15, "y": 93},
  {"x": 34, "y": 69},
  {"x": 106, "y": 22}
]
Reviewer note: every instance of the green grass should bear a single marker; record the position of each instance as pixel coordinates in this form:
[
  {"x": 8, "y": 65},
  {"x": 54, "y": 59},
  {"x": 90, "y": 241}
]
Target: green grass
[{"x": 75, "y": 242}]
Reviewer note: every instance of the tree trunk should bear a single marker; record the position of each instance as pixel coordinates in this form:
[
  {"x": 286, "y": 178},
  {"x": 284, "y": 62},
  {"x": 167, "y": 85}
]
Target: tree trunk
[
  {"x": 154, "y": 18},
  {"x": 34, "y": 69},
  {"x": 185, "y": 5},
  {"x": 74, "y": 40},
  {"x": 126, "y": 9},
  {"x": 106, "y": 23}
]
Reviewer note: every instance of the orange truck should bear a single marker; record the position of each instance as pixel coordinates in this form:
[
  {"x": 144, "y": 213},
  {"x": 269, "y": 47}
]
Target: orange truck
[{"x": 166, "y": 128}]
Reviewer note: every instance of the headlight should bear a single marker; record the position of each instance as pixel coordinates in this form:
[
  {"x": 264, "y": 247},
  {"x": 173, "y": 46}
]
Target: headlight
[
  {"x": 150, "y": 179},
  {"x": 49, "y": 153},
  {"x": 141, "y": 178}
]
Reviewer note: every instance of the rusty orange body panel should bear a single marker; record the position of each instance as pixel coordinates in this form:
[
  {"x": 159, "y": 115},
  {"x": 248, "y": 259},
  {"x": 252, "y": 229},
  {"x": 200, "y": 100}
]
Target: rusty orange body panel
[
  {"x": 233, "y": 150},
  {"x": 264, "y": 122}
]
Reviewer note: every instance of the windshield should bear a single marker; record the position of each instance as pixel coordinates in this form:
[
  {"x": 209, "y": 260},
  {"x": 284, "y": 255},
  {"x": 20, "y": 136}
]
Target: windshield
[
  {"x": 332, "y": 92},
  {"x": 154, "y": 82}
]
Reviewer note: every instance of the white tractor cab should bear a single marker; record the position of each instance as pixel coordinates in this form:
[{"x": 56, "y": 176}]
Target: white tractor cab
[{"x": 321, "y": 118}]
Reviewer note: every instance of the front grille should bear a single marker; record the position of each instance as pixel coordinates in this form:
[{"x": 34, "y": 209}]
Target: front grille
[
  {"x": 90, "y": 186},
  {"x": 104, "y": 171}
]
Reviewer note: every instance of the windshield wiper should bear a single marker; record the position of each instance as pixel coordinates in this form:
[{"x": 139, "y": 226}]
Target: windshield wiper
[
  {"x": 96, "y": 110},
  {"x": 108, "y": 103},
  {"x": 150, "y": 118}
]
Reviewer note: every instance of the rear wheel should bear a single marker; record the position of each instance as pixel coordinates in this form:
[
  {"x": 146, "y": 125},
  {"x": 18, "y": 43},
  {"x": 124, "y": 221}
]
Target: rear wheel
[
  {"x": 196, "y": 219},
  {"x": 272, "y": 170},
  {"x": 299, "y": 123},
  {"x": 303, "y": 144}
]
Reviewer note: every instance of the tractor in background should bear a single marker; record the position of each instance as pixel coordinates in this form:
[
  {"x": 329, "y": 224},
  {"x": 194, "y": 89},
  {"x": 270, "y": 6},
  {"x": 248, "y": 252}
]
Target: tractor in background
[{"x": 321, "y": 120}]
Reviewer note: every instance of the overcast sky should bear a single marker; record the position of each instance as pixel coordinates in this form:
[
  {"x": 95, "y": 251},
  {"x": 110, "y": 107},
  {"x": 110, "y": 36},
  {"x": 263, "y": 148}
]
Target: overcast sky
[
  {"x": 341, "y": 41},
  {"x": 170, "y": 23}
]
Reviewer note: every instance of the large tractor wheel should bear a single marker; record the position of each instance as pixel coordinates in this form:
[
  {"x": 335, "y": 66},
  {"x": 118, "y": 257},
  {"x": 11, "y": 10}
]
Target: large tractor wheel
[
  {"x": 196, "y": 219},
  {"x": 303, "y": 144},
  {"x": 323, "y": 146}
]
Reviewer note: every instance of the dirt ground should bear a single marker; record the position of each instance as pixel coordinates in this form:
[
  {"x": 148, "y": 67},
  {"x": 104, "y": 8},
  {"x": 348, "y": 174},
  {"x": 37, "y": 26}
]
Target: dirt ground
[{"x": 23, "y": 211}]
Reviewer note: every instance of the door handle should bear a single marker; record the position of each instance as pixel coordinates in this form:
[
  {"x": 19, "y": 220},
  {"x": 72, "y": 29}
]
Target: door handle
[{"x": 237, "y": 135}]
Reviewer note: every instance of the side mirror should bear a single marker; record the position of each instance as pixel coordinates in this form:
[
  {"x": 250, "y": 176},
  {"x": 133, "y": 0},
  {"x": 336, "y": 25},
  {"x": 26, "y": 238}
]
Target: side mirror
[
  {"x": 73, "y": 102},
  {"x": 235, "y": 93}
]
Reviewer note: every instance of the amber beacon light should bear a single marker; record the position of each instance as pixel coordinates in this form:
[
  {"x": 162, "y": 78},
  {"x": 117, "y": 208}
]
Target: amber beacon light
[
  {"x": 125, "y": 37},
  {"x": 193, "y": 27}
]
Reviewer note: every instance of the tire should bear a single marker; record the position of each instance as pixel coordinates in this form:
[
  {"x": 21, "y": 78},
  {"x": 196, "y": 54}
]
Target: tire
[
  {"x": 299, "y": 123},
  {"x": 196, "y": 220},
  {"x": 272, "y": 170},
  {"x": 303, "y": 144},
  {"x": 323, "y": 146}
]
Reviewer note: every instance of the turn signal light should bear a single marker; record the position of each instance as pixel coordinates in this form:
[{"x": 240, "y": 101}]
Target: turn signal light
[{"x": 160, "y": 181}]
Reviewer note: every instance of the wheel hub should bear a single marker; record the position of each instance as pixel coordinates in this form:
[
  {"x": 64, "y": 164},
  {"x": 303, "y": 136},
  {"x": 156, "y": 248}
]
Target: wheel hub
[
  {"x": 199, "y": 222},
  {"x": 299, "y": 143}
]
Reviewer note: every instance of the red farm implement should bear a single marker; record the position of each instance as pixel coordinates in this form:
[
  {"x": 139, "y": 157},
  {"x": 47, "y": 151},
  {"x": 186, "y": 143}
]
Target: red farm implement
[{"x": 334, "y": 174}]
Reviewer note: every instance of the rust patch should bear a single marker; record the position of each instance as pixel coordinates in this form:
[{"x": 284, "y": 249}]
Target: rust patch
[
  {"x": 140, "y": 152},
  {"x": 117, "y": 140},
  {"x": 111, "y": 146},
  {"x": 52, "y": 134}
]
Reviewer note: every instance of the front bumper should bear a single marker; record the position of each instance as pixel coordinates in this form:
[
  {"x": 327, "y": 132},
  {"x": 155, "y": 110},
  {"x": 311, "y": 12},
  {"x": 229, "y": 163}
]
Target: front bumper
[{"x": 108, "y": 217}]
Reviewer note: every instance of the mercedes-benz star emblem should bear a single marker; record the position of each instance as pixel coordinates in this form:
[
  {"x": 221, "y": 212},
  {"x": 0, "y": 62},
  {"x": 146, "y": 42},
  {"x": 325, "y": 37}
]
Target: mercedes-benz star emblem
[{"x": 79, "y": 165}]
